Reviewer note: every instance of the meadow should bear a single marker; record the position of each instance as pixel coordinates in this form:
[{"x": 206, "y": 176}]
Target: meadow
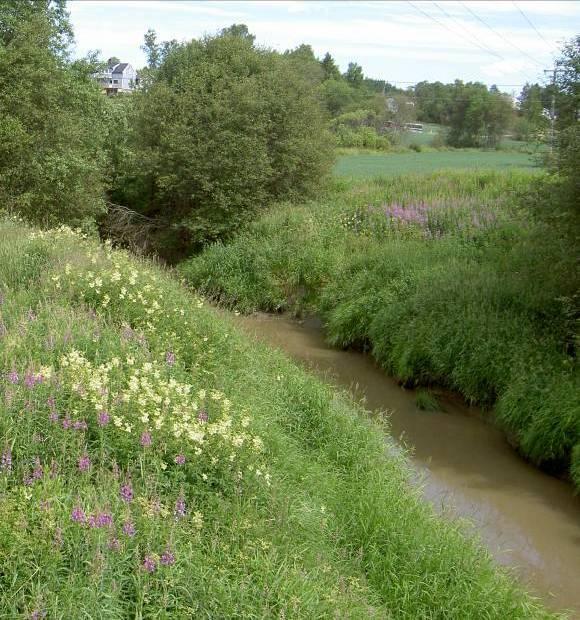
[
  {"x": 367, "y": 165},
  {"x": 155, "y": 463},
  {"x": 445, "y": 279}
]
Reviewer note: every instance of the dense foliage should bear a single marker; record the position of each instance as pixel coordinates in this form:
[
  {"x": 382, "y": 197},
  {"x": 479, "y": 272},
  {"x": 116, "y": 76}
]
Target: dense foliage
[
  {"x": 52, "y": 122},
  {"x": 155, "y": 463},
  {"x": 222, "y": 129},
  {"x": 445, "y": 279}
]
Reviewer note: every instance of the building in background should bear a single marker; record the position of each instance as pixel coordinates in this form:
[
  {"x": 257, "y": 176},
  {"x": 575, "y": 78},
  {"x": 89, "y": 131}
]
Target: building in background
[{"x": 118, "y": 77}]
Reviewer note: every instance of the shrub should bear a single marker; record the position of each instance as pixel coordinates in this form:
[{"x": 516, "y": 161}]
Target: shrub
[{"x": 224, "y": 128}]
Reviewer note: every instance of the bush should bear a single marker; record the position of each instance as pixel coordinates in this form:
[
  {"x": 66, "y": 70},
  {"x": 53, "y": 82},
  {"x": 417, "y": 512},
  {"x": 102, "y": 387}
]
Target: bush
[{"x": 223, "y": 129}]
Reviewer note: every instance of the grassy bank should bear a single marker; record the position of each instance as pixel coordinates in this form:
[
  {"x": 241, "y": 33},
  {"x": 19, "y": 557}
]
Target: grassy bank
[
  {"x": 368, "y": 165},
  {"x": 445, "y": 279},
  {"x": 156, "y": 463}
]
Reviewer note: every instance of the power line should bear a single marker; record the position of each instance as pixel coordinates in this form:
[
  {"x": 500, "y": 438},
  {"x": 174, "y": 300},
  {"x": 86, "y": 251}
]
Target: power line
[
  {"x": 479, "y": 19},
  {"x": 532, "y": 25},
  {"x": 434, "y": 19},
  {"x": 470, "y": 34}
]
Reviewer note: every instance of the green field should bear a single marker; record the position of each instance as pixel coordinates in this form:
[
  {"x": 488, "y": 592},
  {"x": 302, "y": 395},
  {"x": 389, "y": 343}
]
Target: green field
[{"x": 369, "y": 165}]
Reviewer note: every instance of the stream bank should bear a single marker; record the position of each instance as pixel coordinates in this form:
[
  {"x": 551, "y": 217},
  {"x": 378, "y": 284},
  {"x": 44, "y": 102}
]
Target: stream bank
[{"x": 528, "y": 520}]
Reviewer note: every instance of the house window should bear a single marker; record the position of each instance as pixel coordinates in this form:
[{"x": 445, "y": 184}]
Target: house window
[{"x": 115, "y": 81}]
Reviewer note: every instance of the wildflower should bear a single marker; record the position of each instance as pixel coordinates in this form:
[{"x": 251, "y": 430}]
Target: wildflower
[
  {"x": 53, "y": 417},
  {"x": 202, "y": 415},
  {"x": 129, "y": 529},
  {"x": 179, "y": 511},
  {"x": 114, "y": 544},
  {"x": 37, "y": 473},
  {"x": 57, "y": 540},
  {"x": 167, "y": 558},
  {"x": 126, "y": 492},
  {"x": 180, "y": 459},
  {"x": 29, "y": 380},
  {"x": 84, "y": 463},
  {"x": 13, "y": 377},
  {"x": 37, "y": 614},
  {"x": 51, "y": 402},
  {"x": 104, "y": 519},
  {"x": 30, "y": 315},
  {"x": 170, "y": 358},
  {"x": 146, "y": 439},
  {"x": 103, "y": 418},
  {"x": 66, "y": 423},
  {"x": 77, "y": 515},
  {"x": 80, "y": 425},
  {"x": 149, "y": 564}
]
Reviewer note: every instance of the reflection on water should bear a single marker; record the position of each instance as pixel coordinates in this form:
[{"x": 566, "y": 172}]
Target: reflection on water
[{"x": 527, "y": 519}]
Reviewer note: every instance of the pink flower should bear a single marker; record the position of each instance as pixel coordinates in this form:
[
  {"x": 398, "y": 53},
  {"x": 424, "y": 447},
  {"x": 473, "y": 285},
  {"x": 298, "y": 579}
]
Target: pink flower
[
  {"x": 146, "y": 439},
  {"x": 149, "y": 564},
  {"x": 170, "y": 358},
  {"x": 126, "y": 492},
  {"x": 78, "y": 515},
  {"x": 84, "y": 463},
  {"x": 103, "y": 418},
  {"x": 129, "y": 529},
  {"x": 167, "y": 558},
  {"x": 180, "y": 459}
]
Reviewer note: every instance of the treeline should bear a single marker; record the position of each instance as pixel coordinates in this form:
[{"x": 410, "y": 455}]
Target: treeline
[{"x": 219, "y": 128}]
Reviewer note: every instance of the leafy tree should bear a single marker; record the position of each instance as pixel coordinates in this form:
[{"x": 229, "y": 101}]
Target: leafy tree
[
  {"x": 354, "y": 75},
  {"x": 238, "y": 30},
  {"x": 111, "y": 62},
  {"x": 568, "y": 84},
  {"x": 51, "y": 134},
  {"x": 223, "y": 129},
  {"x": 306, "y": 63}
]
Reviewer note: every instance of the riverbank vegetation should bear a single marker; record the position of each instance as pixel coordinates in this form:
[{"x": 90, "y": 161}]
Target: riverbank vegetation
[
  {"x": 461, "y": 279},
  {"x": 156, "y": 462}
]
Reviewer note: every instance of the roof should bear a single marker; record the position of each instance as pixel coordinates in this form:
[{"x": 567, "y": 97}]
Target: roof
[{"x": 120, "y": 67}]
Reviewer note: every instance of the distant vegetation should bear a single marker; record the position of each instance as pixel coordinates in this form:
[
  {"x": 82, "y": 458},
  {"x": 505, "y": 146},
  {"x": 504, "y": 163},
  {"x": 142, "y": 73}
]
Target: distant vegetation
[{"x": 468, "y": 280}]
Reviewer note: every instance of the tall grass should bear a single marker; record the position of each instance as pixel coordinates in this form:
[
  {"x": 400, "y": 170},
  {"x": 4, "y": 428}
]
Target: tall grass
[
  {"x": 157, "y": 464},
  {"x": 445, "y": 278}
]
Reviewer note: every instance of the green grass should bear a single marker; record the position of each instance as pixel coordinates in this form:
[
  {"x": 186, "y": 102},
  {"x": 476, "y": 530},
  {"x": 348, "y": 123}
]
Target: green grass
[
  {"x": 370, "y": 165},
  {"x": 460, "y": 286},
  {"x": 427, "y": 401},
  {"x": 255, "y": 490}
]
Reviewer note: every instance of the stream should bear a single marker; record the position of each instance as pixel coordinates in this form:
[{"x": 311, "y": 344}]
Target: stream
[{"x": 528, "y": 520}]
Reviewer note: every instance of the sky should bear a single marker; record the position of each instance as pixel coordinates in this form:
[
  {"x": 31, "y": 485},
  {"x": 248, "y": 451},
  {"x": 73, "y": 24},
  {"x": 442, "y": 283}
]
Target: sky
[{"x": 501, "y": 42}]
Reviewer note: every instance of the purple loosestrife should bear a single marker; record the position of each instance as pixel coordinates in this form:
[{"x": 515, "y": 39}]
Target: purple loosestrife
[
  {"x": 146, "y": 439},
  {"x": 66, "y": 423},
  {"x": 13, "y": 377},
  {"x": 149, "y": 564},
  {"x": 202, "y": 415},
  {"x": 78, "y": 515},
  {"x": 104, "y": 519},
  {"x": 37, "y": 472},
  {"x": 180, "y": 459},
  {"x": 180, "y": 507},
  {"x": 126, "y": 492},
  {"x": 129, "y": 529},
  {"x": 80, "y": 425},
  {"x": 114, "y": 545},
  {"x": 84, "y": 463},
  {"x": 167, "y": 558},
  {"x": 53, "y": 417},
  {"x": 170, "y": 358},
  {"x": 103, "y": 418}
]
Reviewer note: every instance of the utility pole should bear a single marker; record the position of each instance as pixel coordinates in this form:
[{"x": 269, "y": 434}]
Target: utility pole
[{"x": 554, "y": 73}]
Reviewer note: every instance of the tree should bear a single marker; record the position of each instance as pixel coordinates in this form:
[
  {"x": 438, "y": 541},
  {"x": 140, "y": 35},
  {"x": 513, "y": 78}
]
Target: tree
[
  {"x": 111, "y": 62},
  {"x": 223, "y": 129},
  {"x": 330, "y": 68},
  {"x": 238, "y": 30},
  {"x": 354, "y": 75},
  {"x": 568, "y": 84},
  {"x": 51, "y": 133},
  {"x": 306, "y": 63}
]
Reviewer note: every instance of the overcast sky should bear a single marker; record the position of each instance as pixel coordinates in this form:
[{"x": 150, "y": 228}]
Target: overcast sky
[{"x": 506, "y": 43}]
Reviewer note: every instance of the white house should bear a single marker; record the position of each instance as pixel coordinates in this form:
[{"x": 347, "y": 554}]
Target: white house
[{"x": 118, "y": 78}]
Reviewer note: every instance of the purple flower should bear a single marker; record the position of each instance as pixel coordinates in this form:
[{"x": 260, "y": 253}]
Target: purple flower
[
  {"x": 6, "y": 460},
  {"x": 80, "y": 425},
  {"x": 146, "y": 439},
  {"x": 66, "y": 423},
  {"x": 38, "y": 472},
  {"x": 129, "y": 529},
  {"x": 78, "y": 515},
  {"x": 37, "y": 614},
  {"x": 180, "y": 459},
  {"x": 84, "y": 463},
  {"x": 13, "y": 377},
  {"x": 179, "y": 511},
  {"x": 114, "y": 544},
  {"x": 53, "y": 417},
  {"x": 29, "y": 380},
  {"x": 92, "y": 521},
  {"x": 167, "y": 558},
  {"x": 202, "y": 415},
  {"x": 170, "y": 358},
  {"x": 149, "y": 564},
  {"x": 103, "y": 418},
  {"x": 126, "y": 492},
  {"x": 104, "y": 519}
]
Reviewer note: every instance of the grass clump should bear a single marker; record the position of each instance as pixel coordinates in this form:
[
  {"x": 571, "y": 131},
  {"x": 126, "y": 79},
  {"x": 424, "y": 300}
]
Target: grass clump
[
  {"x": 427, "y": 401},
  {"x": 156, "y": 463},
  {"x": 446, "y": 279}
]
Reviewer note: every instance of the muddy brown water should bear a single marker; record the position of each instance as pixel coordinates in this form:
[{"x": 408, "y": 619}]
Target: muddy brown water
[{"x": 529, "y": 520}]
